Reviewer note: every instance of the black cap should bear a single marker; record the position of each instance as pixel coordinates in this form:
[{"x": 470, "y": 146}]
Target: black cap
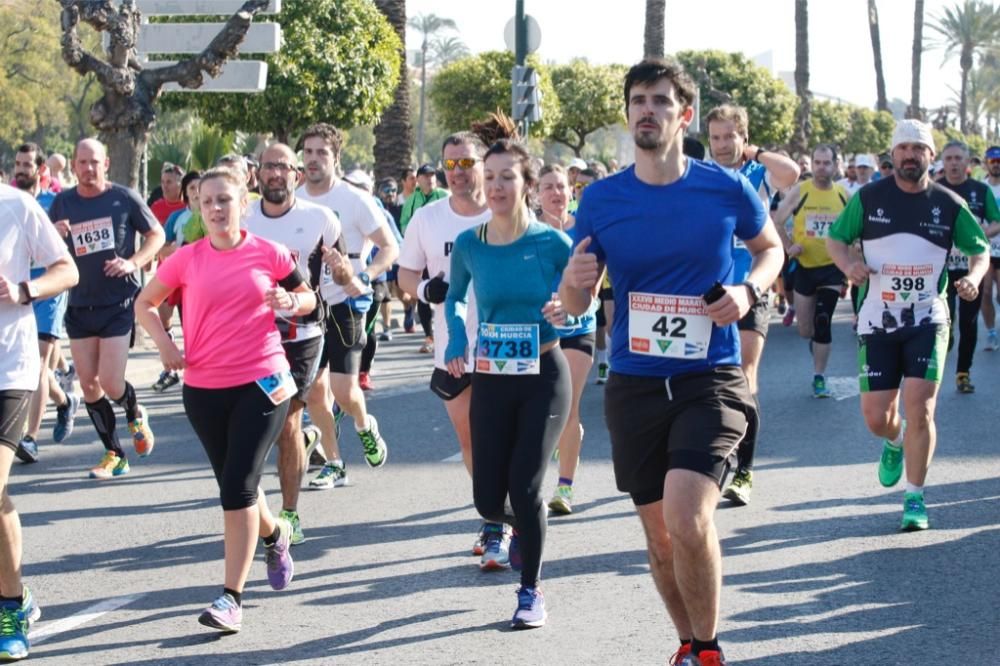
[{"x": 426, "y": 169}]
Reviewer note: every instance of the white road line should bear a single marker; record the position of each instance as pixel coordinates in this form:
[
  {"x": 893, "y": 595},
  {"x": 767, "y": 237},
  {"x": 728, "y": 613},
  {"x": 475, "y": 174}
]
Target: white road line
[
  {"x": 843, "y": 388},
  {"x": 455, "y": 458},
  {"x": 396, "y": 391},
  {"x": 50, "y": 629}
]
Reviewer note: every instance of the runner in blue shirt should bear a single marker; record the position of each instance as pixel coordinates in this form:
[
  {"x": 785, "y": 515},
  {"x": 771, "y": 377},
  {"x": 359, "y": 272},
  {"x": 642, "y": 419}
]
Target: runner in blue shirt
[{"x": 677, "y": 402}]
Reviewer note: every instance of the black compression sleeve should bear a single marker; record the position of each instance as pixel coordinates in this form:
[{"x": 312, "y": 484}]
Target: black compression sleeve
[{"x": 292, "y": 281}]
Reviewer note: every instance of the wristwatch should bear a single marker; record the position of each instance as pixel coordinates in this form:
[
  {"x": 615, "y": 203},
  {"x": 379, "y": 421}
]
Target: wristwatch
[
  {"x": 756, "y": 294},
  {"x": 365, "y": 278},
  {"x": 756, "y": 157},
  {"x": 29, "y": 292}
]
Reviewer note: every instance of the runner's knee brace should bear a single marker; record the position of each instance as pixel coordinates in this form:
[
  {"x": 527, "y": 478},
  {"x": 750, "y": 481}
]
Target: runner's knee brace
[{"x": 826, "y": 303}]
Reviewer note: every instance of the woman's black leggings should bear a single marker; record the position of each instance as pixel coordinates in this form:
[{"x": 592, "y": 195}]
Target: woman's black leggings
[
  {"x": 968, "y": 322},
  {"x": 237, "y": 426},
  {"x": 516, "y": 423}
]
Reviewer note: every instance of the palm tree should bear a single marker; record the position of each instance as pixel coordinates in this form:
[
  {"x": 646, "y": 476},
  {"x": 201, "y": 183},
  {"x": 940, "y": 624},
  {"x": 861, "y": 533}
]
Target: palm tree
[
  {"x": 655, "y": 33},
  {"x": 918, "y": 50},
  {"x": 968, "y": 30},
  {"x": 427, "y": 25},
  {"x": 803, "y": 125},
  {"x": 447, "y": 49},
  {"x": 883, "y": 103},
  {"x": 394, "y": 134}
]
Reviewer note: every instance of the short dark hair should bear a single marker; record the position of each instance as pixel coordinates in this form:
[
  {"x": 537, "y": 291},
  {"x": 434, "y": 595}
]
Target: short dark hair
[
  {"x": 194, "y": 174},
  {"x": 325, "y": 131},
  {"x": 651, "y": 70},
  {"x": 30, "y": 147},
  {"x": 404, "y": 174},
  {"x": 462, "y": 138},
  {"x": 824, "y": 146}
]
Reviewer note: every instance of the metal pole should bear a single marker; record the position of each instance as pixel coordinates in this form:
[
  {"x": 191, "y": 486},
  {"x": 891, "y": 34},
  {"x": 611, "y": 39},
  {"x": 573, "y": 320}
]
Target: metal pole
[{"x": 520, "y": 33}]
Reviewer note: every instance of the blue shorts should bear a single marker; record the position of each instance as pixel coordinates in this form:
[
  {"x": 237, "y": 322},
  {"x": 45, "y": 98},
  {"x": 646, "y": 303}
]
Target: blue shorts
[{"x": 50, "y": 313}]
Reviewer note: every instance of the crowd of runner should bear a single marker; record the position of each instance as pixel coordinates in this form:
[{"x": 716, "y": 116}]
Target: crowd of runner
[{"x": 523, "y": 276}]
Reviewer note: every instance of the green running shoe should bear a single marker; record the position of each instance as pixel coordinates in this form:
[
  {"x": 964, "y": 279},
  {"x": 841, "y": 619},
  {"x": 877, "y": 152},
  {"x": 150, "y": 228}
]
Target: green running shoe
[
  {"x": 890, "y": 467},
  {"x": 374, "y": 446},
  {"x": 819, "y": 387},
  {"x": 914, "y": 513},
  {"x": 739, "y": 489},
  {"x": 331, "y": 475},
  {"x": 15, "y": 619},
  {"x": 293, "y": 519},
  {"x": 561, "y": 503}
]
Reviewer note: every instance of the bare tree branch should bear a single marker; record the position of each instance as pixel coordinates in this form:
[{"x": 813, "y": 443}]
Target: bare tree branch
[
  {"x": 77, "y": 57},
  {"x": 225, "y": 46}
]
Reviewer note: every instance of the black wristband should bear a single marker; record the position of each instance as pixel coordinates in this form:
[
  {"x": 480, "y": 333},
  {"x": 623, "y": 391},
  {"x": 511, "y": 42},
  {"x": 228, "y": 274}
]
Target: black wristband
[{"x": 756, "y": 157}]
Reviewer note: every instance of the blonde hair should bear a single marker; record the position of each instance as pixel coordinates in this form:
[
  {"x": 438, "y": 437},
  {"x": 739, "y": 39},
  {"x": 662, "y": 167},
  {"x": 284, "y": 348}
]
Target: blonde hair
[
  {"x": 731, "y": 113},
  {"x": 229, "y": 175}
]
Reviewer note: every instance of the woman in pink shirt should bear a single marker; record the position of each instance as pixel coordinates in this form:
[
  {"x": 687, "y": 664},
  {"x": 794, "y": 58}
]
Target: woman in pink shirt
[{"x": 236, "y": 381}]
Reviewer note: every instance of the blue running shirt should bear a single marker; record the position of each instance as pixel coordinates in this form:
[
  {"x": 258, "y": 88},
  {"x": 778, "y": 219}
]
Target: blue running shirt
[{"x": 669, "y": 240}]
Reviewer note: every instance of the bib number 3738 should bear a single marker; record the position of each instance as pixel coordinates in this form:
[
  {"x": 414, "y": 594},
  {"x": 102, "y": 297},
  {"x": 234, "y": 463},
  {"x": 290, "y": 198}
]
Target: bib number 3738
[
  {"x": 507, "y": 349},
  {"x": 671, "y": 326}
]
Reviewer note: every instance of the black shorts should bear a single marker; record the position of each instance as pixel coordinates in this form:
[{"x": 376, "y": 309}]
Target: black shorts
[
  {"x": 693, "y": 421},
  {"x": 304, "y": 359},
  {"x": 585, "y": 343},
  {"x": 103, "y": 321},
  {"x": 13, "y": 416},
  {"x": 380, "y": 293},
  {"x": 810, "y": 280},
  {"x": 757, "y": 318},
  {"x": 447, "y": 387},
  {"x": 345, "y": 340},
  {"x": 884, "y": 359},
  {"x": 995, "y": 263},
  {"x": 788, "y": 272}
]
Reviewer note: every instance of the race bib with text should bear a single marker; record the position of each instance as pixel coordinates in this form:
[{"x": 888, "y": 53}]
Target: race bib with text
[{"x": 672, "y": 326}]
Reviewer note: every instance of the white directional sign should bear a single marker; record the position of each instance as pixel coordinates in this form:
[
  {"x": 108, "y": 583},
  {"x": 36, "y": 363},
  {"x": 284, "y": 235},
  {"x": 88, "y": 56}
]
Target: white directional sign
[
  {"x": 198, "y": 7},
  {"x": 194, "y": 37},
  {"x": 184, "y": 38}
]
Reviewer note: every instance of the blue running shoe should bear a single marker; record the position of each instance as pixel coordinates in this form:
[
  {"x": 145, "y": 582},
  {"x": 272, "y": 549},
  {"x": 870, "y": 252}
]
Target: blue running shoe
[
  {"x": 530, "y": 611},
  {"x": 65, "y": 418},
  {"x": 15, "y": 619}
]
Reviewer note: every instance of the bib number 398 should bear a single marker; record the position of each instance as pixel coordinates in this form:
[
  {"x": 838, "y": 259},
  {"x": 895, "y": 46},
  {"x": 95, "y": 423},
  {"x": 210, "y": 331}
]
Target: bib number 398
[
  {"x": 507, "y": 349},
  {"x": 671, "y": 326}
]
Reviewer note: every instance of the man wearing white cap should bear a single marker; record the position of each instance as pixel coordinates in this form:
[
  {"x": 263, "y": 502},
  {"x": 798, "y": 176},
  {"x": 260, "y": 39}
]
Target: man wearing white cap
[
  {"x": 864, "y": 167},
  {"x": 907, "y": 225}
]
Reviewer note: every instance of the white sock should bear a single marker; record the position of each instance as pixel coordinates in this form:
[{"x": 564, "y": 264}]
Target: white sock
[
  {"x": 910, "y": 488},
  {"x": 898, "y": 442},
  {"x": 367, "y": 425},
  {"x": 602, "y": 356}
]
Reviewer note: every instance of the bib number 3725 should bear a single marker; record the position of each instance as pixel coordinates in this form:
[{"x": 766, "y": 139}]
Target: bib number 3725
[
  {"x": 670, "y": 326},
  {"x": 507, "y": 349}
]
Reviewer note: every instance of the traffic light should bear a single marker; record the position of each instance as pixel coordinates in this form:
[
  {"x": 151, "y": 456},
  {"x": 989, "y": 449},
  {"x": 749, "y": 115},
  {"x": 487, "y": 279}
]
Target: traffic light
[{"x": 527, "y": 99}]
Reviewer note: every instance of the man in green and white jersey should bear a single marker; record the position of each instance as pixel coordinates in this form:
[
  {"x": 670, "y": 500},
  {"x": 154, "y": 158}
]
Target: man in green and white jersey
[{"x": 907, "y": 225}]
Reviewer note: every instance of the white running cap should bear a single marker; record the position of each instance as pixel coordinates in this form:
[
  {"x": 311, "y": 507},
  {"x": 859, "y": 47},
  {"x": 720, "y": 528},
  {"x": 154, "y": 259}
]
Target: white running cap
[{"x": 913, "y": 131}]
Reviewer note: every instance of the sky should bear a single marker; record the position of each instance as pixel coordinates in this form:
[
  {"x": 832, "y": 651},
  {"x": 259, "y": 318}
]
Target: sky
[{"x": 840, "y": 59}]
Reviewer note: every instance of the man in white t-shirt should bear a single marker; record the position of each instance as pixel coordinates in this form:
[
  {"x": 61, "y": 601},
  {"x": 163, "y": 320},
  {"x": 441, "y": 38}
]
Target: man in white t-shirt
[
  {"x": 28, "y": 237},
  {"x": 427, "y": 245},
  {"x": 363, "y": 227},
  {"x": 306, "y": 229}
]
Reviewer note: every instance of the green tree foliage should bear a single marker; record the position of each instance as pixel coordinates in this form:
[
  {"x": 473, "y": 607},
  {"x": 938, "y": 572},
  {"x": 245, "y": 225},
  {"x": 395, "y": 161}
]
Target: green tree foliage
[
  {"x": 339, "y": 63},
  {"x": 853, "y": 129},
  {"x": 590, "y": 97},
  {"x": 470, "y": 88},
  {"x": 731, "y": 77}
]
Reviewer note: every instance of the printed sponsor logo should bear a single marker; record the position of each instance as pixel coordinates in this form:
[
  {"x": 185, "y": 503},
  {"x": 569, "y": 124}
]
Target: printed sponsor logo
[
  {"x": 923, "y": 296},
  {"x": 888, "y": 296},
  {"x": 524, "y": 366},
  {"x": 501, "y": 365},
  {"x": 483, "y": 366},
  {"x": 664, "y": 345},
  {"x": 691, "y": 349},
  {"x": 640, "y": 344},
  {"x": 905, "y": 295},
  {"x": 879, "y": 217},
  {"x": 448, "y": 247}
]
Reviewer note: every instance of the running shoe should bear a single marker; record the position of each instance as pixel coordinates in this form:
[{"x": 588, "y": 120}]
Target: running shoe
[
  {"x": 789, "y": 317},
  {"x": 819, "y": 387},
  {"x": 298, "y": 536},
  {"x": 963, "y": 384},
  {"x": 479, "y": 545},
  {"x": 111, "y": 465},
  {"x": 914, "y": 513},
  {"x": 331, "y": 475},
  {"x": 65, "y": 418},
  {"x": 514, "y": 552},
  {"x": 15, "y": 620},
  {"x": 311, "y": 435},
  {"x": 66, "y": 379},
  {"x": 376, "y": 451},
  {"x": 703, "y": 658},
  {"x": 890, "y": 466},
  {"x": 385, "y": 336},
  {"x": 27, "y": 450},
  {"x": 427, "y": 347},
  {"x": 496, "y": 550},
  {"x": 602, "y": 373},
  {"x": 530, "y": 611},
  {"x": 561, "y": 503},
  {"x": 142, "y": 434},
  {"x": 365, "y": 381},
  {"x": 782, "y": 308},
  {"x": 278, "y": 556},
  {"x": 224, "y": 614},
  {"x": 992, "y": 341},
  {"x": 160, "y": 384},
  {"x": 173, "y": 379},
  {"x": 677, "y": 657},
  {"x": 740, "y": 487}
]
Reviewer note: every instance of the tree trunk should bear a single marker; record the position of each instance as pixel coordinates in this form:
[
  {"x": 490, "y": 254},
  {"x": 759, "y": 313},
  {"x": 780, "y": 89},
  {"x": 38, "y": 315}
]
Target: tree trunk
[
  {"x": 882, "y": 104},
  {"x": 394, "y": 135},
  {"x": 423, "y": 102},
  {"x": 918, "y": 49},
  {"x": 965, "y": 62},
  {"x": 803, "y": 125},
  {"x": 654, "y": 37}
]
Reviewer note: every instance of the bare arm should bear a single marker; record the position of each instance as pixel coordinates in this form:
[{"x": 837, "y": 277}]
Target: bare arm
[
  {"x": 408, "y": 280},
  {"x": 57, "y": 278},
  {"x": 783, "y": 171},
  {"x": 388, "y": 250}
]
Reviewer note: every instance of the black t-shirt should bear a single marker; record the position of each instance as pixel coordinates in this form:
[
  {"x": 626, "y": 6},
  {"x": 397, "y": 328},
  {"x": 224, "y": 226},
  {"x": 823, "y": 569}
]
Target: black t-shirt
[{"x": 102, "y": 228}]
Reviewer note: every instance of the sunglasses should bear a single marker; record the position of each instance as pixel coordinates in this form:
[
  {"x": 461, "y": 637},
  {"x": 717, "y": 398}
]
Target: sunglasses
[
  {"x": 171, "y": 168},
  {"x": 466, "y": 163},
  {"x": 579, "y": 186},
  {"x": 993, "y": 160},
  {"x": 389, "y": 190}
]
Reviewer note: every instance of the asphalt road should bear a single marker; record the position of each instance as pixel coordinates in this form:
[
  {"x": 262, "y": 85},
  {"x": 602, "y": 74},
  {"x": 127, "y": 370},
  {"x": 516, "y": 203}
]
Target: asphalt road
[{"x": 816, "y": 572}]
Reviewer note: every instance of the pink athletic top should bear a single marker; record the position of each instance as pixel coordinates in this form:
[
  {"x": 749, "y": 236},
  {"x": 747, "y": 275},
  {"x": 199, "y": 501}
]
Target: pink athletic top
[{"x": 230, "y": 338}]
